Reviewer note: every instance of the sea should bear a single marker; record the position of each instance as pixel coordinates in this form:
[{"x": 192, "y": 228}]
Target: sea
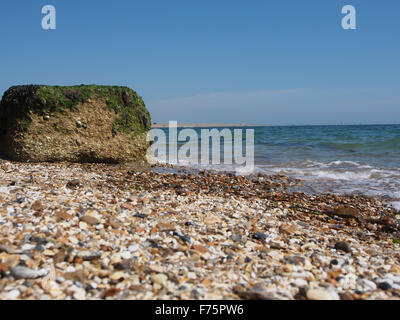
[{"x": 342, "y": 159}]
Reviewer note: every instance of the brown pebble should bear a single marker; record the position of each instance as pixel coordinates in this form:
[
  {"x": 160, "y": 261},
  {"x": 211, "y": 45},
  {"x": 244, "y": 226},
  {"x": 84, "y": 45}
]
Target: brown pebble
[
  {"x": 347, "y": 296},
  {"x": 73, "y": 183},
  {"x": 60, "y": 256},
  {"x": 37, "y": 206},
  {"x": 63, "y": 215},
  {"x": 75, "y": 276},
  {"x": 256, "y": 293},
  {"x": 287, "y": 228},
  {"x": 110, "y": 292},
  {"x": 200, "y": 248},
  {"x": 3, "y": 267},
  {"x": 90, "y": 220},
  {"x": 342, "y": 246},
  {"x": 346, "y": 212},
  {"x": 166, "y": 227}
]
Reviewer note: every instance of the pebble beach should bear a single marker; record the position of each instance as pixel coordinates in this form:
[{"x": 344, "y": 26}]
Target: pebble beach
[{"x": 94, "y": 231}]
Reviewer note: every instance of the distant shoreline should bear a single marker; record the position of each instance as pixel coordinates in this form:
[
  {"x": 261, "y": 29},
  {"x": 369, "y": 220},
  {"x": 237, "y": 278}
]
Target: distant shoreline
[
  {"x": 207, "y": 125},
  {"x": 238, "y": 125}
]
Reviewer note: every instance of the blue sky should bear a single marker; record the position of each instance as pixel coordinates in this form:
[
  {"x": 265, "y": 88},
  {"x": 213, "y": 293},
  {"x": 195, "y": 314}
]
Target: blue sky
[{"x": 262, "y": 62}]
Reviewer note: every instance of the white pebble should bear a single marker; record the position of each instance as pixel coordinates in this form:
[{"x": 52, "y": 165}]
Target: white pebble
[
  {"x": 27, "y": 247},
  {"x": 126, "y": 255},
  {"x": 300, "y": 282},
  {"x": 12, "y": 295},
  {"x": 79, "y": 294},
  {"x": 365, "y": 284},
  {"x": 133, "y": 248},
  {"x": 322, "y": 294}
]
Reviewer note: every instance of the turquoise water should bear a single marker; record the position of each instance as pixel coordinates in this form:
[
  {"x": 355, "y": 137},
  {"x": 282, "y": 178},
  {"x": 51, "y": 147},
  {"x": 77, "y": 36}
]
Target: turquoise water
[{"x": 340, "y": 159}]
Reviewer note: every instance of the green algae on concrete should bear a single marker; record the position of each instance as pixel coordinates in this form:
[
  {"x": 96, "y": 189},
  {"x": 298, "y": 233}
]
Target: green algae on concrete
[
  {"x": 19, "y": 101},
  {"x": 39, "y": 109}
]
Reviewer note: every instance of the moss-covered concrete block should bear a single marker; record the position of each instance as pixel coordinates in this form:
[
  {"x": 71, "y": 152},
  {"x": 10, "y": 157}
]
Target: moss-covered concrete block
[{"x": 86, "y": 123}]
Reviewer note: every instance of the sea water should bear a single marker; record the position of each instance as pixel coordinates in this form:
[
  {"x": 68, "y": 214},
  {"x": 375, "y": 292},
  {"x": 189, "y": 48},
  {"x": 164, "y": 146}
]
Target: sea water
[{"x": 361, "y": 159}]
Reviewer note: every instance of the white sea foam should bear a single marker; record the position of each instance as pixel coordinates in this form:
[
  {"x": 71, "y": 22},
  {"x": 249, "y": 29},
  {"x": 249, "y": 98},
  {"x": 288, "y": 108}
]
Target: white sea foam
[
  {"x": 340, "y": 163},
  {"x": 338, "y": 176},
  {"x": 342, "y": 177}
]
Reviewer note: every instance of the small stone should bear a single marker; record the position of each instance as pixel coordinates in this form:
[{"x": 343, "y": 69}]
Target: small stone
[
  {"x": 256, "y": 293},
  {"x": 346, "y": 212},
  {"x": 384, "y": 286},
  {"x": 300, "y": 282},
  {"x": 39, "y": 240},
  {"x": 89, "y": 255},
  {"x": 287, "y": 228},
  {"x": 12, "y": 295},
  {"x": 123, "y": 265},
  {"x": 212, "y": 220},
  {"x": 83, "y": 225},
  {"x": 322, "y": 294},
  {"x": 110, "y": 292},
  {"x": 28, "y": 247},
  {"x": 20, "y": 272},
  {"x": 73, "y": 184},
  {"x": 182, "y": 237},
  {"x": 157, "y": 268},
  {"x": 366, "y": 285},
  {"x": 63, "y": 215},
  {"x": 201, "y": 249},
  {"x": 127, "y": 206},
  {"x": 78, "y": 275},
  {"x": 166, "y": 227},
  {"x": 160, "y": 279},
  {"x": 296, "y": 260},
  {"x": 79, "y": 294},
  {"x": 133, "y": 248},
  {"x": 48, "y": 253},
  {"x": 12, "y": 261},
  {"x": 395, "y": 269},
  {"x": 347, "y": 296},
  {"x": 60, "y": 256},
  {"x": 334, "y": 262},
  {"x": 236, "y": 237},
  {"x": 117, "y": 276},
  {"x": 192, "y": 276},
  {"x": 342, "y": 246},
  {"x": 9, "y": 250},
  {"x": 20, "y": 200},
  {"x": 259, "y": 236},
  {"x": 90, "y": 220},
  {"x": 126, "y": 255},
  {"x": 3, "y": 267},
  {"x": 37, "y": 206}
]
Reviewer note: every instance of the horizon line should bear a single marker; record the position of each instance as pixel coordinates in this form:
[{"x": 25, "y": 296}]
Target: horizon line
[{"x": 219, "y": 125}]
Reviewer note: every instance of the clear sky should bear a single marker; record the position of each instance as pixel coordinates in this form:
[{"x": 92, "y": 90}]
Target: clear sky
[{"x": 258, "y": 61}]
